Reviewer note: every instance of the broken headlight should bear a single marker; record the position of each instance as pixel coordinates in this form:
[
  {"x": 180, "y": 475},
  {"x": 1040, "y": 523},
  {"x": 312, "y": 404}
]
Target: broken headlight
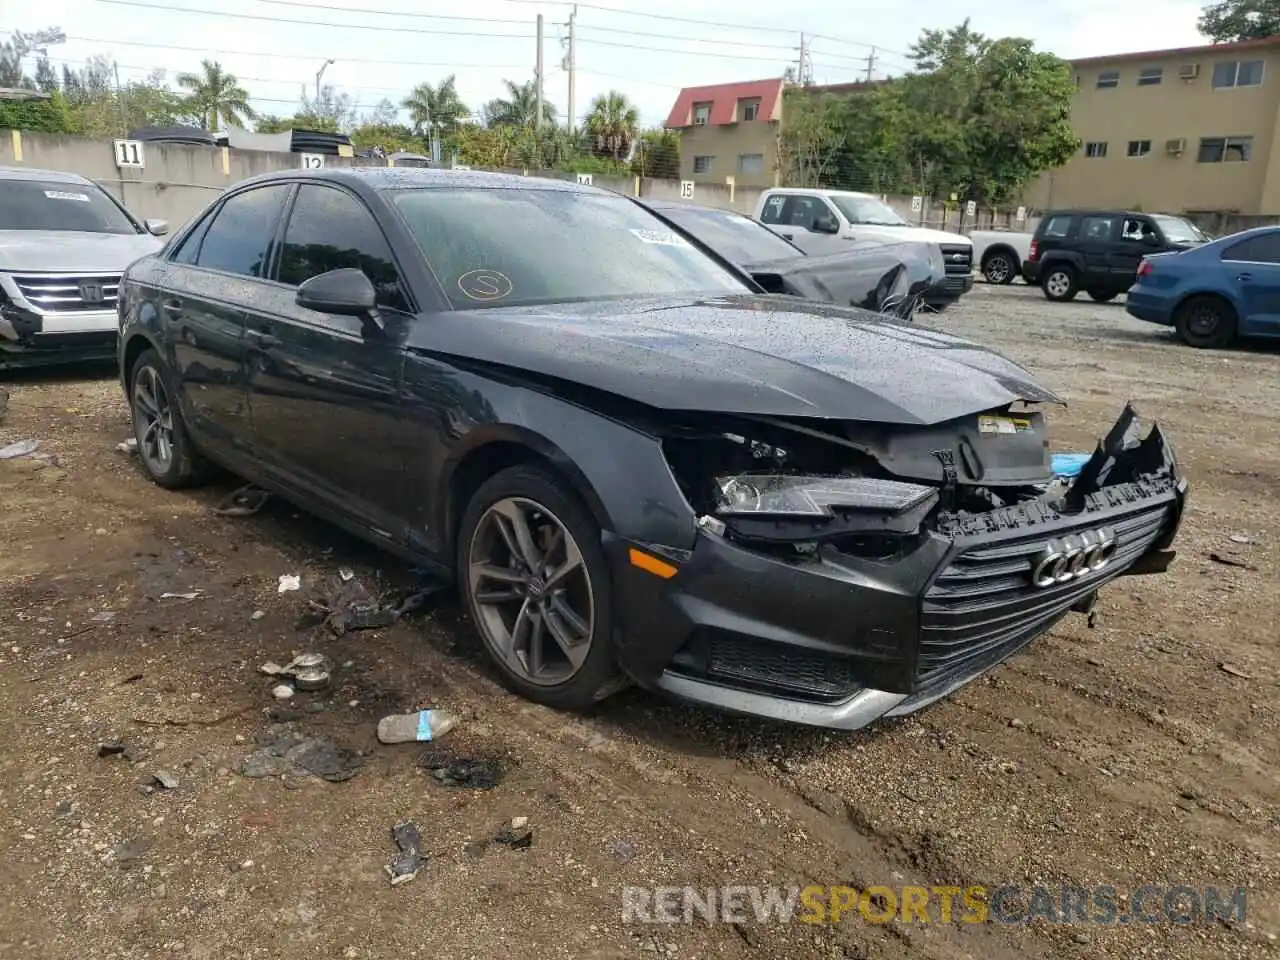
[{"x": 753, "y": 494}]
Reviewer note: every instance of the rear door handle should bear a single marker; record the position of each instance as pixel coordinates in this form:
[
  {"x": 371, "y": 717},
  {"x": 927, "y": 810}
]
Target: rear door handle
[
  {"x": 171, "y": 305},
  {"x": 262, "y": 339},
  {"x": 1244, "y": 277}
]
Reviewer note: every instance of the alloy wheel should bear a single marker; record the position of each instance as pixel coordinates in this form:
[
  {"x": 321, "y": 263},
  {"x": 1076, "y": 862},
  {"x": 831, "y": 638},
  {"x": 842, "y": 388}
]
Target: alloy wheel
[
  {"x": 998, "y": 269},
  {"x": 532, "y": 592},
  {"x": 153, "y": 419},
  {"x": 1057, "y": 284},
  {"x": 1203, "y": 320}
]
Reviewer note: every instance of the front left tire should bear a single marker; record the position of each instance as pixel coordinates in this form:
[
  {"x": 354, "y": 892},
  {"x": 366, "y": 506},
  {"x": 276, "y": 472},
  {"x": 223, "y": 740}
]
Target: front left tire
[
  {"x": 536, "y": 584},
  {"x": 164, "y": 445}
]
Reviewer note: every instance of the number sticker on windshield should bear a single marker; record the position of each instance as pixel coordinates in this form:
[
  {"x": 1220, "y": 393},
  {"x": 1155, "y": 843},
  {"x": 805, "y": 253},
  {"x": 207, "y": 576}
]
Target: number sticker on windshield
[
  {"x": 662, "y": 237},
  {"x": 63, "y": 195},
  {"x": 484, "y": 285}
]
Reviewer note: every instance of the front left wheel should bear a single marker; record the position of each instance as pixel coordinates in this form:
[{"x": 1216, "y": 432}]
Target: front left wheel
[
  {"x": 535, "y": 581},
  {"x": 164, "y": 446}
]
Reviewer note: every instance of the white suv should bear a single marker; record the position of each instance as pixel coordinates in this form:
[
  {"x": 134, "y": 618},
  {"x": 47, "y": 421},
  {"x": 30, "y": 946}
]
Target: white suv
[
  {"x": 820, "y": 221},
  {"x": 64, "y": 242}
]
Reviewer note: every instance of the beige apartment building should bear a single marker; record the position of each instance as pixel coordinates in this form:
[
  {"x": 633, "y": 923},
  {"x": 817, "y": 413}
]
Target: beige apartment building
[
  {"x": 729, "y": 130},
  {"x": 1188, "y": 130}
]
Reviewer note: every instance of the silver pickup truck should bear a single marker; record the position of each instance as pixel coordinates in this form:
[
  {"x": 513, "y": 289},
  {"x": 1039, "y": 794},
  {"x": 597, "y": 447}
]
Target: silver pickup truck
[{"x": 64, "y": 242}]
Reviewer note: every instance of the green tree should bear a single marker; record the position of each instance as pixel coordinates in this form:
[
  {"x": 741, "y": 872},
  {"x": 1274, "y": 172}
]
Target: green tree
[
  {"x": 37, "y": 116},
  {"x": 519, "y": 108},
  {"x": 437, "y": 107},
  {"x": 657, "y": 155},
  {"x": 811, "y": 136},
  {"x": 1233, "y": 20},
  {"x": 216, "y": 96},
  {"x": 329, "y": 112},
  {"x": 613, "y": 123},
  {"x": 46, "y": 78},
  {"x": 391, "y": 137},
  {"x": 875, "y": 123}
]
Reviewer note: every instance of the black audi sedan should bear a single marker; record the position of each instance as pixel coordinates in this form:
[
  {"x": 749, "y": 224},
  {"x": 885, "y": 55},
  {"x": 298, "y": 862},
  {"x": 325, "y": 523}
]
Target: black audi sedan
[{"x": 637, "y": 466}]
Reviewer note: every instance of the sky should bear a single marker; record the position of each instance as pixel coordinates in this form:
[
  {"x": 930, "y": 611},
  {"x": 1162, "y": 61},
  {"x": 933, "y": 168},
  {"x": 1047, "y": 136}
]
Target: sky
[{"x": 647, "y": 50}]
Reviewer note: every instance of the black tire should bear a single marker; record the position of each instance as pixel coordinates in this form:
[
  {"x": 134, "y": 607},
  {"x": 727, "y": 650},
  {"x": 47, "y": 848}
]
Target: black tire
[
  {"x": 1206, "y": 322},
  {"x": 1103, "y": 296},
  {"x": 1000, "y": 267},
  {"x": 1059, "y": 282},
  {"x": 184, "y": 466},
  {"x": 598, "y": 675}
]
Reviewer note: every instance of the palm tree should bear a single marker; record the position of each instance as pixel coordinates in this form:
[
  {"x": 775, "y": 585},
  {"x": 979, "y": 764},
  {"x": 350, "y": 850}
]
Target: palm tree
[
  {"x": 519, "y": 108},
  {"x": 612, "y": 123},
  {"x": 438, "y": 106},
  {"x": 216, "y": 96}
]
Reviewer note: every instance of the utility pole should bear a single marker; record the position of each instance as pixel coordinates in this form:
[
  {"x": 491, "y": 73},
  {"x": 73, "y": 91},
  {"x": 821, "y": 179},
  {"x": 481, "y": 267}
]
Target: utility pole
[
  {"x": 571, "y": 67},
  {"x": 804, "y": 67},
  {"x": 320, "y": 73},
  {"x": 124, "y": 124},
  {"x": 871, "y": 63},
  {"x": 537, "y": 122}
]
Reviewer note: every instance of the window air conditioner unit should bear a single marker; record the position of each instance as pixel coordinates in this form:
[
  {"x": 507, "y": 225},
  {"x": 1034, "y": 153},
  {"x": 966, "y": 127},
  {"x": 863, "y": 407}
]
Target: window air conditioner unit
[
  {"x": 1189, "y": 71},
  {"x": 1175, "y": 147}
]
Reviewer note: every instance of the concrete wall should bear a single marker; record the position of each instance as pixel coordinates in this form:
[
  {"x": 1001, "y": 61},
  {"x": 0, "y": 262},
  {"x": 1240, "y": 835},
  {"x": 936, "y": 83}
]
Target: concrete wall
[{"x": 176, "y": 183}]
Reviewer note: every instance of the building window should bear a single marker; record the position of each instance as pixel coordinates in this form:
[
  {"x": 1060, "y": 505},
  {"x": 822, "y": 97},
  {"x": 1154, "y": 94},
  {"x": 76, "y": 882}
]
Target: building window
[
  {"x": 1097, "y": 149},
  {"x": 703, "y": 164},
  {"x": 1225, "y": 149},
  {"x": 1237, "y": 73},
  {"x": 1139, "y": 148},
  {"x": 701, "y": 114},
  {"x": 751, "y": 163},
  {"x": 1150, "y": 76},
  {"x": 1108, "y": 78},
  {"x": 748, "y": 110}
]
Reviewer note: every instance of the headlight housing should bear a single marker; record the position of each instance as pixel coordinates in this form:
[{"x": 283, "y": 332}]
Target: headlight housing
[{"x": 760, "y": 495}]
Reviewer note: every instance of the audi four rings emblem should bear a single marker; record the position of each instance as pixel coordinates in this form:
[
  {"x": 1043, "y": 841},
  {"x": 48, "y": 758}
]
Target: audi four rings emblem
[{"x": 1074, "y": 556}]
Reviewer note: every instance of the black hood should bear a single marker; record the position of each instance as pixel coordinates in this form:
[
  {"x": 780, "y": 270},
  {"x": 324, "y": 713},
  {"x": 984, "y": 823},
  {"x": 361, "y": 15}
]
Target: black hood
[
  {"x": 755, "y": 355},
  {"x": 882, "y": 278}
]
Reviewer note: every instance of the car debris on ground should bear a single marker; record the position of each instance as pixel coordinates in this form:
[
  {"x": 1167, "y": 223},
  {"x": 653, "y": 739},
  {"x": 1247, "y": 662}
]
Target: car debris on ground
[
  {"x": 515, "y": 833},
  {"x": 406, "y": 866},
  {"x": 243, "y": 502},
  {"x": 308, "y": 672},
  {"x": 472, "y": 773},
  {"x": 348, "y": 604},
  {"x": 284, "y": 754}
]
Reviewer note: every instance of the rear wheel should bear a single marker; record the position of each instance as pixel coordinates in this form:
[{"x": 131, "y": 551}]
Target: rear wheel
[
  {"x": 1059, "y": 282},
  {"x": 535, "y": 581},
  {"x": 1103, "y": 296},
  {"x": 164, "y": 447},
  {"x": 999, "y": 267},
  {"x": 1206, "y": 322}
]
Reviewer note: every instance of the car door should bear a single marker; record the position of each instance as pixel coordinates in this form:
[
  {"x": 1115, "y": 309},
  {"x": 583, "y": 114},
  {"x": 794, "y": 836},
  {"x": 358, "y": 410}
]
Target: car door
[
  {"x": 1253, "y": 264},
  {"x": 1138, "y": 237},
  {"x": 214, "y": 273},
  {"x": 1096, "y": 236},
  {"x": 798, "y": 216},
  {"x": 323, "y": 389}
]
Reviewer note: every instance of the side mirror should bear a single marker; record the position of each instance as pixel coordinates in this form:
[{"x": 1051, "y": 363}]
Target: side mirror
[
  {"x": 157, "y": 228},
  {"x": 346, "y": 293},
  {"x": 826, "y": 224}
]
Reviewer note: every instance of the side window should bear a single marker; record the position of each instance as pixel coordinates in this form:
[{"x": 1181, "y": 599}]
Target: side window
[
  {"x": 803, "y": 211},
  {"x": 1096, "y": 228},
  {"x": 1057, "y": 227},
  {"x": 239, "y": 239},
  {"x": 1263, "y": 249},
  {"x": 772, "y": 212},
  {"x": 1136, "y": 229},
  {"x": 330, "y": 229},
  {"x": 189, "y": 249}
]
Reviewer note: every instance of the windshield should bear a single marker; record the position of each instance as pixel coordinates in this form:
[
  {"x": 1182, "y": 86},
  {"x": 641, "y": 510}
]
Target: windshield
[
  {"x": 733, "y": 236},
  {"x": 50, "y": 205},
  {"x": 504, "y": 247},
  {"x": 1177, "y": 230},
  {"x": 868, "y": 210}
]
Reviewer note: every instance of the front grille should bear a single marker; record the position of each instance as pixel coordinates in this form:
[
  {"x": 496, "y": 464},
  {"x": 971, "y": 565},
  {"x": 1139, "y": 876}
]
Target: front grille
[
  {"x": 983, "y": 606},
  {"x": 957, "y": 258},
  {"x": 68, "y": 293}
]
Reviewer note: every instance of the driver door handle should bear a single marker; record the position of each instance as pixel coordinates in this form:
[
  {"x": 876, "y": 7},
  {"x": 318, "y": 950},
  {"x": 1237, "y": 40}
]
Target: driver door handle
[
  {"x": 261, "y": 339},
  {"x": 1244, "y": 277}
]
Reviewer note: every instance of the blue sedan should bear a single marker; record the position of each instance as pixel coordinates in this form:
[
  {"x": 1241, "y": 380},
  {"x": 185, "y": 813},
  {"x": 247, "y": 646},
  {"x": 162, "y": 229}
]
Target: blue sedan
[{"x": 1216, "y": 292}]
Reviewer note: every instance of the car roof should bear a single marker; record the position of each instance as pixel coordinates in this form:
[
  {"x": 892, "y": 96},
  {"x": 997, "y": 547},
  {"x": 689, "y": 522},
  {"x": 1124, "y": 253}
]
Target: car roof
[
  {"x": 34, "y": 173},
  {"x": 683, "y": 205},
  {"x": 405, "y": 178},
  {"x": 1078, "y": 212},
  {"x": 820, "y": 192}
]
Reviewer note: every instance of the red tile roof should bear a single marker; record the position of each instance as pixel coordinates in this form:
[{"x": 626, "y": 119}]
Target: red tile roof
[
  {"x": 724, "y": 98},
  {"x": 1205, "y": 49}
]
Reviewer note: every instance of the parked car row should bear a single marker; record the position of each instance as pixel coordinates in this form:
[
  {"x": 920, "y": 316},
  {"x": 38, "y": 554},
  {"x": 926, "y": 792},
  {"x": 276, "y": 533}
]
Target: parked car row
[{"x": 637, "y": 464}]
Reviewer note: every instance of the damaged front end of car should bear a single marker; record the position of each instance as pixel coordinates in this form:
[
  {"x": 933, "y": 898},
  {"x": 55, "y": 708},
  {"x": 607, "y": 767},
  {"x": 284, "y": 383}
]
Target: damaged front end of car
[{"x": 846, "y": 571}]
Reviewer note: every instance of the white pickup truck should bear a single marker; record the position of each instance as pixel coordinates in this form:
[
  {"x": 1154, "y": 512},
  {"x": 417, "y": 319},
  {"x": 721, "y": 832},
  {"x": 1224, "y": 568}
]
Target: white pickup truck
[
  {"x": 820, "y": 221},
  {"x": 999, "y": 254}
]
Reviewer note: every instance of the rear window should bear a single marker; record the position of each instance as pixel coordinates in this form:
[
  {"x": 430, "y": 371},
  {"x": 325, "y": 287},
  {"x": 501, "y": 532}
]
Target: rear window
[
  {"x": 505, "y": 247},
  {"x": 51, "y": 205}
]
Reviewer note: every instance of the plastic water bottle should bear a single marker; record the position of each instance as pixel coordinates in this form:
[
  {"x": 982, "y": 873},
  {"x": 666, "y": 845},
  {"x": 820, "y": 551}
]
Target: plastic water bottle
[{"x": 420, "y": 726}]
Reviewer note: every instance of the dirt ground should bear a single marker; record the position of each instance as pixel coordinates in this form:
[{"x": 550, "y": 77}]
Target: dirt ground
[{"x": 1143, "y": 750}]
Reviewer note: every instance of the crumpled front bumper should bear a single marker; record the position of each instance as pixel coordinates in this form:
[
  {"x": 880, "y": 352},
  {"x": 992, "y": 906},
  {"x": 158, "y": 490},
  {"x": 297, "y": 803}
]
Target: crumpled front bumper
[{"x": 837, "y": 641}]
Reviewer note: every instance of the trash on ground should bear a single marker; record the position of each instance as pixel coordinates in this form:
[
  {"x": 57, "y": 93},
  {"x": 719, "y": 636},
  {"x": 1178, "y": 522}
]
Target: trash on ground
[
  {"x": 188, "y": 595},
  {"x": 128, "y": 446},
  {"x": 623, "y": 850},
  {"x": 165, "y": 779},
  {"x": 289, "y": 582},
  {"x": 1068, "y": 464},
  {"x": 406, "y": 866},
  {"x": 23, "y": 448},
  {"x": 416, "y": 727},
  {"x": 303, "y": 661},
  {"x": 103, "y": 616},
  {"x": 244, "y": 502},
  {"x": 282, "y": 691},
  {"x": 1243, "y": 538},
  {"x": 1230, "y": 561},
  {"x": 1234, "y": 671},
  {"x": 310, "y": 679},
  {"x": 475, "y": 774},
  {"x": 117, "y": 748},
  {"x": 350, "y": 605},
  {"x": 291, "y": 754},
  {"x": 515, "y": 833},
  {"x": 258, "y": 614}
]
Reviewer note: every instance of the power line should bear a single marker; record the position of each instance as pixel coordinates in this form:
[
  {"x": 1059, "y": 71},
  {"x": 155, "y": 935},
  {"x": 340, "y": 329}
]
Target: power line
[{"x": 390, "y": 13}]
